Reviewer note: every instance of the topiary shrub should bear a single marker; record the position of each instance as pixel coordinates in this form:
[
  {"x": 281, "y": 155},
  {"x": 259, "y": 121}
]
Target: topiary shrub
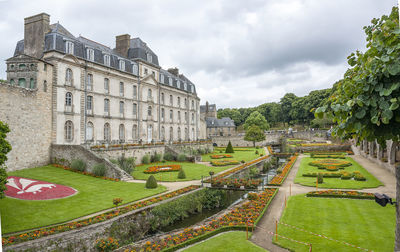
[
  {"x": 257, "y": 152},
  {"x": 181, "y": 174},
  {"x": 320, "y": 178},
  {"x": 229, "y": 148},
  {"x": 99, "y": 170},
  {"x": 78, "y": 165},
  {"x": 146, "y": 159},
  {"x": 156, "y": 157},
  {"x": 181, "y": 158},
  {"x": 151, "y": 182},
  {"x": 169, "y": 156}
]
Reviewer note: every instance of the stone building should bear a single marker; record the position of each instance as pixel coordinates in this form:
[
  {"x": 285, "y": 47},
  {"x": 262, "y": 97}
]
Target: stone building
[
  {"x": 208, "y": 110},
  {"x": 214, "y": 126},
  {"x": 63, "y": 89}
]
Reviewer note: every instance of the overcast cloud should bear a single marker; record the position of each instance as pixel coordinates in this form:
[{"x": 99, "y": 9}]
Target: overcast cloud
[{"x": 238, "y": 53}]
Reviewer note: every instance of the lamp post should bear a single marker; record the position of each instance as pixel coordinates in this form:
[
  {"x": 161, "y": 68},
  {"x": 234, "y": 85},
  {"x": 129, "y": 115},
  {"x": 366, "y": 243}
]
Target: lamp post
[{"x": 211, "y": 174}]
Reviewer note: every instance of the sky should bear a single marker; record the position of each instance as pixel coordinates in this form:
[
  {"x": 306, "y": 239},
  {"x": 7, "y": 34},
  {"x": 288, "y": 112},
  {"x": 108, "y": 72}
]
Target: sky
[{"x": 238, "y": 53}]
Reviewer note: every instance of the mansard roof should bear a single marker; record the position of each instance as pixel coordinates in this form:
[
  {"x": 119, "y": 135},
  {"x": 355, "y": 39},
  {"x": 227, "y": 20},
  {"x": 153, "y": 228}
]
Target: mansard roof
[
  {"x": 211, "y": 107},
  {"x": 223, "y": 122}
]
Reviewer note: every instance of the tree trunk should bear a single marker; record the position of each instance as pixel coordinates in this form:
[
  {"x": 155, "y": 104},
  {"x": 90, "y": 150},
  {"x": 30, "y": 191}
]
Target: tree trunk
[
  {"x": 397, "y": 239},
  {"x": 254, "y": 144}
]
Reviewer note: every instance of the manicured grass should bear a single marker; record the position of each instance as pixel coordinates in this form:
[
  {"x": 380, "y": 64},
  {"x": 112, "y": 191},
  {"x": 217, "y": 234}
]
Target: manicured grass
[
  {"x": 363, "y": 223},
  {"x": 371, "y": 181},
  {"x": 94, "y": 194},
  {"x": 231, "y": 241},
  {"x": 238, "y": 155},
  {"x": 193, "y": 171}
]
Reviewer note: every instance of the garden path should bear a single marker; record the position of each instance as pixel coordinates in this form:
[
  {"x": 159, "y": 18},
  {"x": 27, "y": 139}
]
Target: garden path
[{"x": 275, "y": 210}]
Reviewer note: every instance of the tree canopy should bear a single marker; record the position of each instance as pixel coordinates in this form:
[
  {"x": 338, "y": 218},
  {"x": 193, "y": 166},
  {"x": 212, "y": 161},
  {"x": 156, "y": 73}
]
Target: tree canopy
[
  {"x": 5, "y": 147},
  {"x": 256, "y": 118},
  {"x": 254, "y": 134}
]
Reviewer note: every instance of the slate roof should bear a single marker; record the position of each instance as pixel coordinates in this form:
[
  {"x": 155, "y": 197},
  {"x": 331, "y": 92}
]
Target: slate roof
[
  {"x": 56, "y": 39},
  {"x": 211, "y": 107},
  {"x": 223, "y": 122}
]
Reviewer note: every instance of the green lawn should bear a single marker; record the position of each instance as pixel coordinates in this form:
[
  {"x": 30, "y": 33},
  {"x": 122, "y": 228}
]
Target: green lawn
[
  {"x": 238, "y": 155},
  {"x": 231, "y": 241},
  {"x": 363, "y": 223},
  {"x": 193, "y": 171},
  {"x": 371, "y": 181},
  {"x": 94, "y": 194}
]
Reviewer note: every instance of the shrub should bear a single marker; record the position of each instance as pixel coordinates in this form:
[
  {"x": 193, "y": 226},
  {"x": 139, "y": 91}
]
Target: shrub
[
  {"x": 181, "y": 158},
  {"x": 181, "y": 174},
  {"x": 320, "y": 178},
  {"x": 242, "y": 161},
  {"x": 99, "y": 170},
  {"x": 146, "y": 159},
  {"x": 257, "y": 152},
  {"x": 151, "y": 182},
  {"x": 78, "y": 165},
  {"x": 202, "y": 151},
  {"x": 156, "y": 157},
  {"x": 126, "y": 164},
  {"x": 229, "y": 148},
  {"x": 169, "y": 156}
]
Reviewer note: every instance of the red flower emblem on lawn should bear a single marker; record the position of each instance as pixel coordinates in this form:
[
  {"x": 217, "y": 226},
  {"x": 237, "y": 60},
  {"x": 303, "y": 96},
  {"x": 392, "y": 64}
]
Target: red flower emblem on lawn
[{"x": 31, "y": 189}]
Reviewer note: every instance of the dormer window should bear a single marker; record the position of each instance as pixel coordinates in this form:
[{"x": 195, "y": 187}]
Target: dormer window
[
  {"x": 107, "y": 59},
  {"x": 185, "y": 86},
  {"x": 170, "y": 81},
  {"x": 69, "y": 47},
  {"x": 178, "y": 83},
  {"x": 191, "y": 88},
  {"x": 122, "y": 65},
  {"x": 90, "y": 54},
  {"x": 134, "y": 69},
  {"x": 146, "y": 71},
  {"x": 161, "y": 78},
  {"x": 149, "y": 58}
]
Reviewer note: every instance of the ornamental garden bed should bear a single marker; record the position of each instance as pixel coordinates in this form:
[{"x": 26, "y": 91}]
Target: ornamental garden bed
[
  {"x": 280, "y": 178},
  {"x": 93, "y": 195},
  {"x": 224, "y": 162},
  {"x": 352, "y": 176},
  {"x": 240, "y": 154},
  {"x": 163, "y": 168},
  {"x": 219, "y": 156},
  {"x": 330, "y": 164},
  {"x": 341, "y": 194},
  {"x": 249, "y": 213},
  {"x": 235, "y": 183},
  {"x": 42, "y": 232},
  {"x": 359, "y": 222}
]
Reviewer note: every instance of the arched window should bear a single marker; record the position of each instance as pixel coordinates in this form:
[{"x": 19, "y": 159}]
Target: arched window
[
  {"x": 134, "y": 91},
  {"x": 162, "y": 114},
  {"x": 193, "y": 137},
  {"x": 186, "y": 134},
  {"x": 121, "y": 107},
  {"x": 185, "y": 103},
  {"x": 121, "y": 132},
  {"x": 162, "y": 133},
  {"x": 134, "y": 110},
  {"x": 162, "y": 98},
  {"x": 106, "y": 86},
  {"x": 186, "y": 117},
  {"x": 32, "y": 83},
  {"x": 149, "y": 111},
  {"x": 179, "y": 116},
  {"x": 68, "y": 99},
  {"x": 134, "y": 132},
  {"x": 68, "y": 131},
  {"x": 171, "y": 134},
  {"x": 171, "y": 101},
  {"x": 179, "y": 101},
  {"x": 107, "y": 132},
  {"x": 192, "y": 118},
  {"x": 179, "y": 133},
  {"x": 149, "y": 93},
  {"x": 192, "y": 104},
  {"x": 89, "y": 82},
  {"x": 22, "y": 82},
  {"x": 12, "y": 82},
  {"x": 89, "y": 131},
  {"x": 121, "y": 89},
  {"x": 44, "y": 86},
  {"x": 171, "y": 115},
  {"x": 106, "y": 106},
  {"x": 68, "y": 77}
]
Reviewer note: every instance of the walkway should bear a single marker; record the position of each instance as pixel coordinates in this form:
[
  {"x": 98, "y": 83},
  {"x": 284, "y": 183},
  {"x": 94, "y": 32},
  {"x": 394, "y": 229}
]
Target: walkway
[{"x": 275, "y": 210}]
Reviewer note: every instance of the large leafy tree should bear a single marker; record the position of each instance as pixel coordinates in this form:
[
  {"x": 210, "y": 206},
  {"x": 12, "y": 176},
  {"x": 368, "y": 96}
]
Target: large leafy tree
[
  {"x": 254, "y": 134},
  {"x": 287, "y": 103},
  {"x": 256, "y": 118},
  {"x": 366, "y": 102},
  {"x": 5, "y": 147}
]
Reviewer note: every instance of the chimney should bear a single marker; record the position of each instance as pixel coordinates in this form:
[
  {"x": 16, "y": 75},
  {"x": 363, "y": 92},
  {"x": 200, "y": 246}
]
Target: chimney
[
  {"x": 35, "y": 29},
  {"x": 122, "y": 44},
  {"x": 174, "y": 71}
]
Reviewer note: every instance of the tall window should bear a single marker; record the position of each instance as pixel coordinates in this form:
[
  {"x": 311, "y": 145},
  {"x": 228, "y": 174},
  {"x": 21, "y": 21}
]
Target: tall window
[
  {"x": 68, "y": 131},
  {"x": 162, "y": 78},
  {"x": 89, "y": 131},
  {"x": 149, "y": 58},
  {"x": 171, "y": 100},
  {"x": 170, "y": 115},
  {"x": 134, "y": 69},
  {"x": 68, "y": 77},
  {"x": 89, "y": 82},
  {"x": 185, "y": 104},
  {"x": 68, "y": 99},
  {"x": 146, "y": 71},
  {"x": 179, "y": 116},
  {"x": 149, "y": 93},
  {"x": 121, "y": 89},
  {"x": 162, "y": 115},
  {"x": 134, "y": 91},
  {"x": 179, "y": 102},
  {"x": 121, "y": 132},
  {"x": 22, "y": 82},
  {"x": 178, "y": 83},
  {"x": 171, "y": 133},
  {"x": 90, "y": 54},
  {"x": 106, "y": 106},
  {"x": 32, "y": 83},
  {"x": 179, "y": 133},
  {"x": 192, "y": 118},
  {"x": 134, "y": 132},
  {"x": 170, "y": 81},
  {"x": 134, "y": 110},
  {"x": 149, "y": 111},
  {"x": 162, "y": 133},
  {"x": 121, "y": 107},
  {"x": 185, "y": 86},
  {"x": 106, "y": 86},
  {"x": 122, "y": 65},
  {"x": 107, "y": 60},
  {"x": 69, "y": 47},
  {"x": 44, "y": 85},
  {"x": 186, "y": 117},
  {"x": 89, "y": 103},
  {"x": 192, "y": 104},
  {"x": 162, "y": 98},
  {"x": 107, "y": 132}
]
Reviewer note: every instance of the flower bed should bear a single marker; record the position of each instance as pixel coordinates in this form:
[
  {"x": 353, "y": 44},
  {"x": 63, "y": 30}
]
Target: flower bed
[
  {"x": 341, "y": 156},
  {"x": 341, "y": 194},
  {"x": 219, "y": 156},
  {"x": 330, "y": 164},
  {"x": 236, "y": 183},
  {"x": 224, "y": 162},
  {"x": 248, "y": 213},
  {"x": 163, "y": 168},
  {"x": 343, "y": 175},
  {"x": 42, "y": 232},
  {"x": 278, "y": 179},
  {"x": 84, "y": 173}
]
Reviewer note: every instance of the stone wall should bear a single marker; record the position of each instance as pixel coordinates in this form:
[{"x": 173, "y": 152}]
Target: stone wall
[
  {"x": 131, "y": 226},
  {"x": 64, "y": 154},
  {"x": 28, "y": 115}
]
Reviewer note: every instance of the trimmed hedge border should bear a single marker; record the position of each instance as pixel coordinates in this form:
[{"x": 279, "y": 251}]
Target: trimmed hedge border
[{"x": 341, "y": 194}]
